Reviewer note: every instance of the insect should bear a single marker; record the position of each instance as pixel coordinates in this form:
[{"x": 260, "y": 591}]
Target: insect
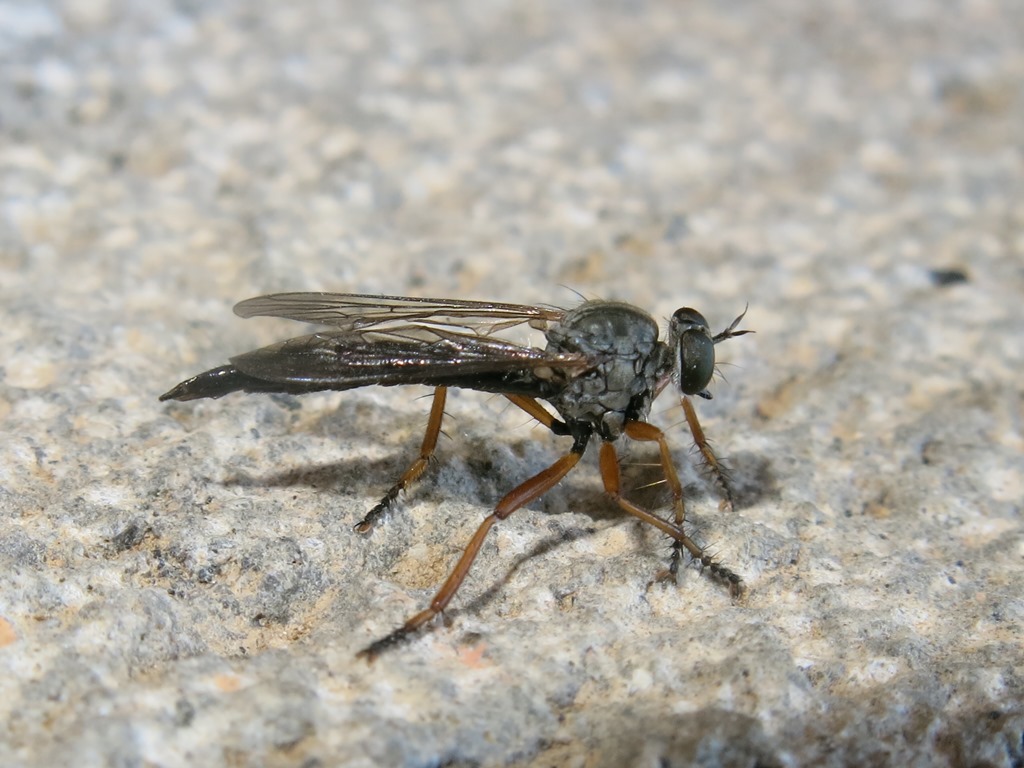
[{"x": 601, "y": 368}]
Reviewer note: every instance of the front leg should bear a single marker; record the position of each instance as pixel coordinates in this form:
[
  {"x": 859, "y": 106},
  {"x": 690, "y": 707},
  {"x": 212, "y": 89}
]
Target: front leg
[{"x": 718, "y": 471}]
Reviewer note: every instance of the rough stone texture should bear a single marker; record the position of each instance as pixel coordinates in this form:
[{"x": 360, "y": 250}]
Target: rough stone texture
[{"x": 180, "y": 584}]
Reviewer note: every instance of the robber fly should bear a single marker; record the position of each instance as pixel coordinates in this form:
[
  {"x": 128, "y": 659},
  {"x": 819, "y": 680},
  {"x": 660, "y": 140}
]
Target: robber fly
[{"x": 602, "y": 367}]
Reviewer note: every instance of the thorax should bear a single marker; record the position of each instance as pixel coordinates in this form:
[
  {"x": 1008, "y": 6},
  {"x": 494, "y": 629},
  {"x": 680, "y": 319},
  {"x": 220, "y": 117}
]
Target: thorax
[{"x": 622, "y": 341}]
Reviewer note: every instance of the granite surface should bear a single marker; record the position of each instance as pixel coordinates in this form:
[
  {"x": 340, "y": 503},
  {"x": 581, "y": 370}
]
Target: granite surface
[{"x": 180, "y": 583}]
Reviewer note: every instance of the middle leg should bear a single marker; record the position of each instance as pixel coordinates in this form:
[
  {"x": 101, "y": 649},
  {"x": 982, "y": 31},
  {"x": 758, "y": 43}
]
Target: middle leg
[
  {"x": 611, "y": 474},
  {"x": 644, "y": 432}
]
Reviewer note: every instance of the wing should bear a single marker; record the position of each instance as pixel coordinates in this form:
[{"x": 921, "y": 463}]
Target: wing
[
  {"x": 358, "y": 312},
  {"x": 339, "y": 360},
  {"x": 345, "y": 359}
]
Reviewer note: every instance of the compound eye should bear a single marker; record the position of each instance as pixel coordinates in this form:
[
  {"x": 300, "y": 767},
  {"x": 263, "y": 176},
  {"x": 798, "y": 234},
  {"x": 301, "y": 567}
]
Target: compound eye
[
  {"x": 688, "y": 317},
  {"x": 696, "y": 358}
]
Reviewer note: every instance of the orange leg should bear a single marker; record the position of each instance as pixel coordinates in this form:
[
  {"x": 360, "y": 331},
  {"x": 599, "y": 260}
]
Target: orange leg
[
  {"x": 718, "y": 471},
  {"x": 611, "y": 475},
  {"x": 412, "y": 474},
  {"x": 523, "y": 494},
  {"x": 539, "y": 412},
  {"x": 644, "y": 432}
]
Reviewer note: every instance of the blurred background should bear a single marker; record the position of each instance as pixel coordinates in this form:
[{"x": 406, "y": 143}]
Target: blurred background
[{"x": 181, "y": 584}]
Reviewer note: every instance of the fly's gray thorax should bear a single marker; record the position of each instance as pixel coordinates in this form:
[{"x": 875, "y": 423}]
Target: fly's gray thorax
[{"x": 628, "y": 358}]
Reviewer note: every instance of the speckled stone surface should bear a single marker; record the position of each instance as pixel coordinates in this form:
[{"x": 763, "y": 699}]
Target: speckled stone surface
[{"x": 180, "y": 583}]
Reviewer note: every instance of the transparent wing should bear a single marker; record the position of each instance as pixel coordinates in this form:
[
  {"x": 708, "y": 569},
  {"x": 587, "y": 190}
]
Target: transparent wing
[
  {"x": 359, "y": 312},
  {"x": 392, "y": 340}
]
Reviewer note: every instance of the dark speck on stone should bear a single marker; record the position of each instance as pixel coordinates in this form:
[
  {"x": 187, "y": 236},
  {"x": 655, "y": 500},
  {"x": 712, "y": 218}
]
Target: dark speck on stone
[{"x": 944, "y": 277}]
